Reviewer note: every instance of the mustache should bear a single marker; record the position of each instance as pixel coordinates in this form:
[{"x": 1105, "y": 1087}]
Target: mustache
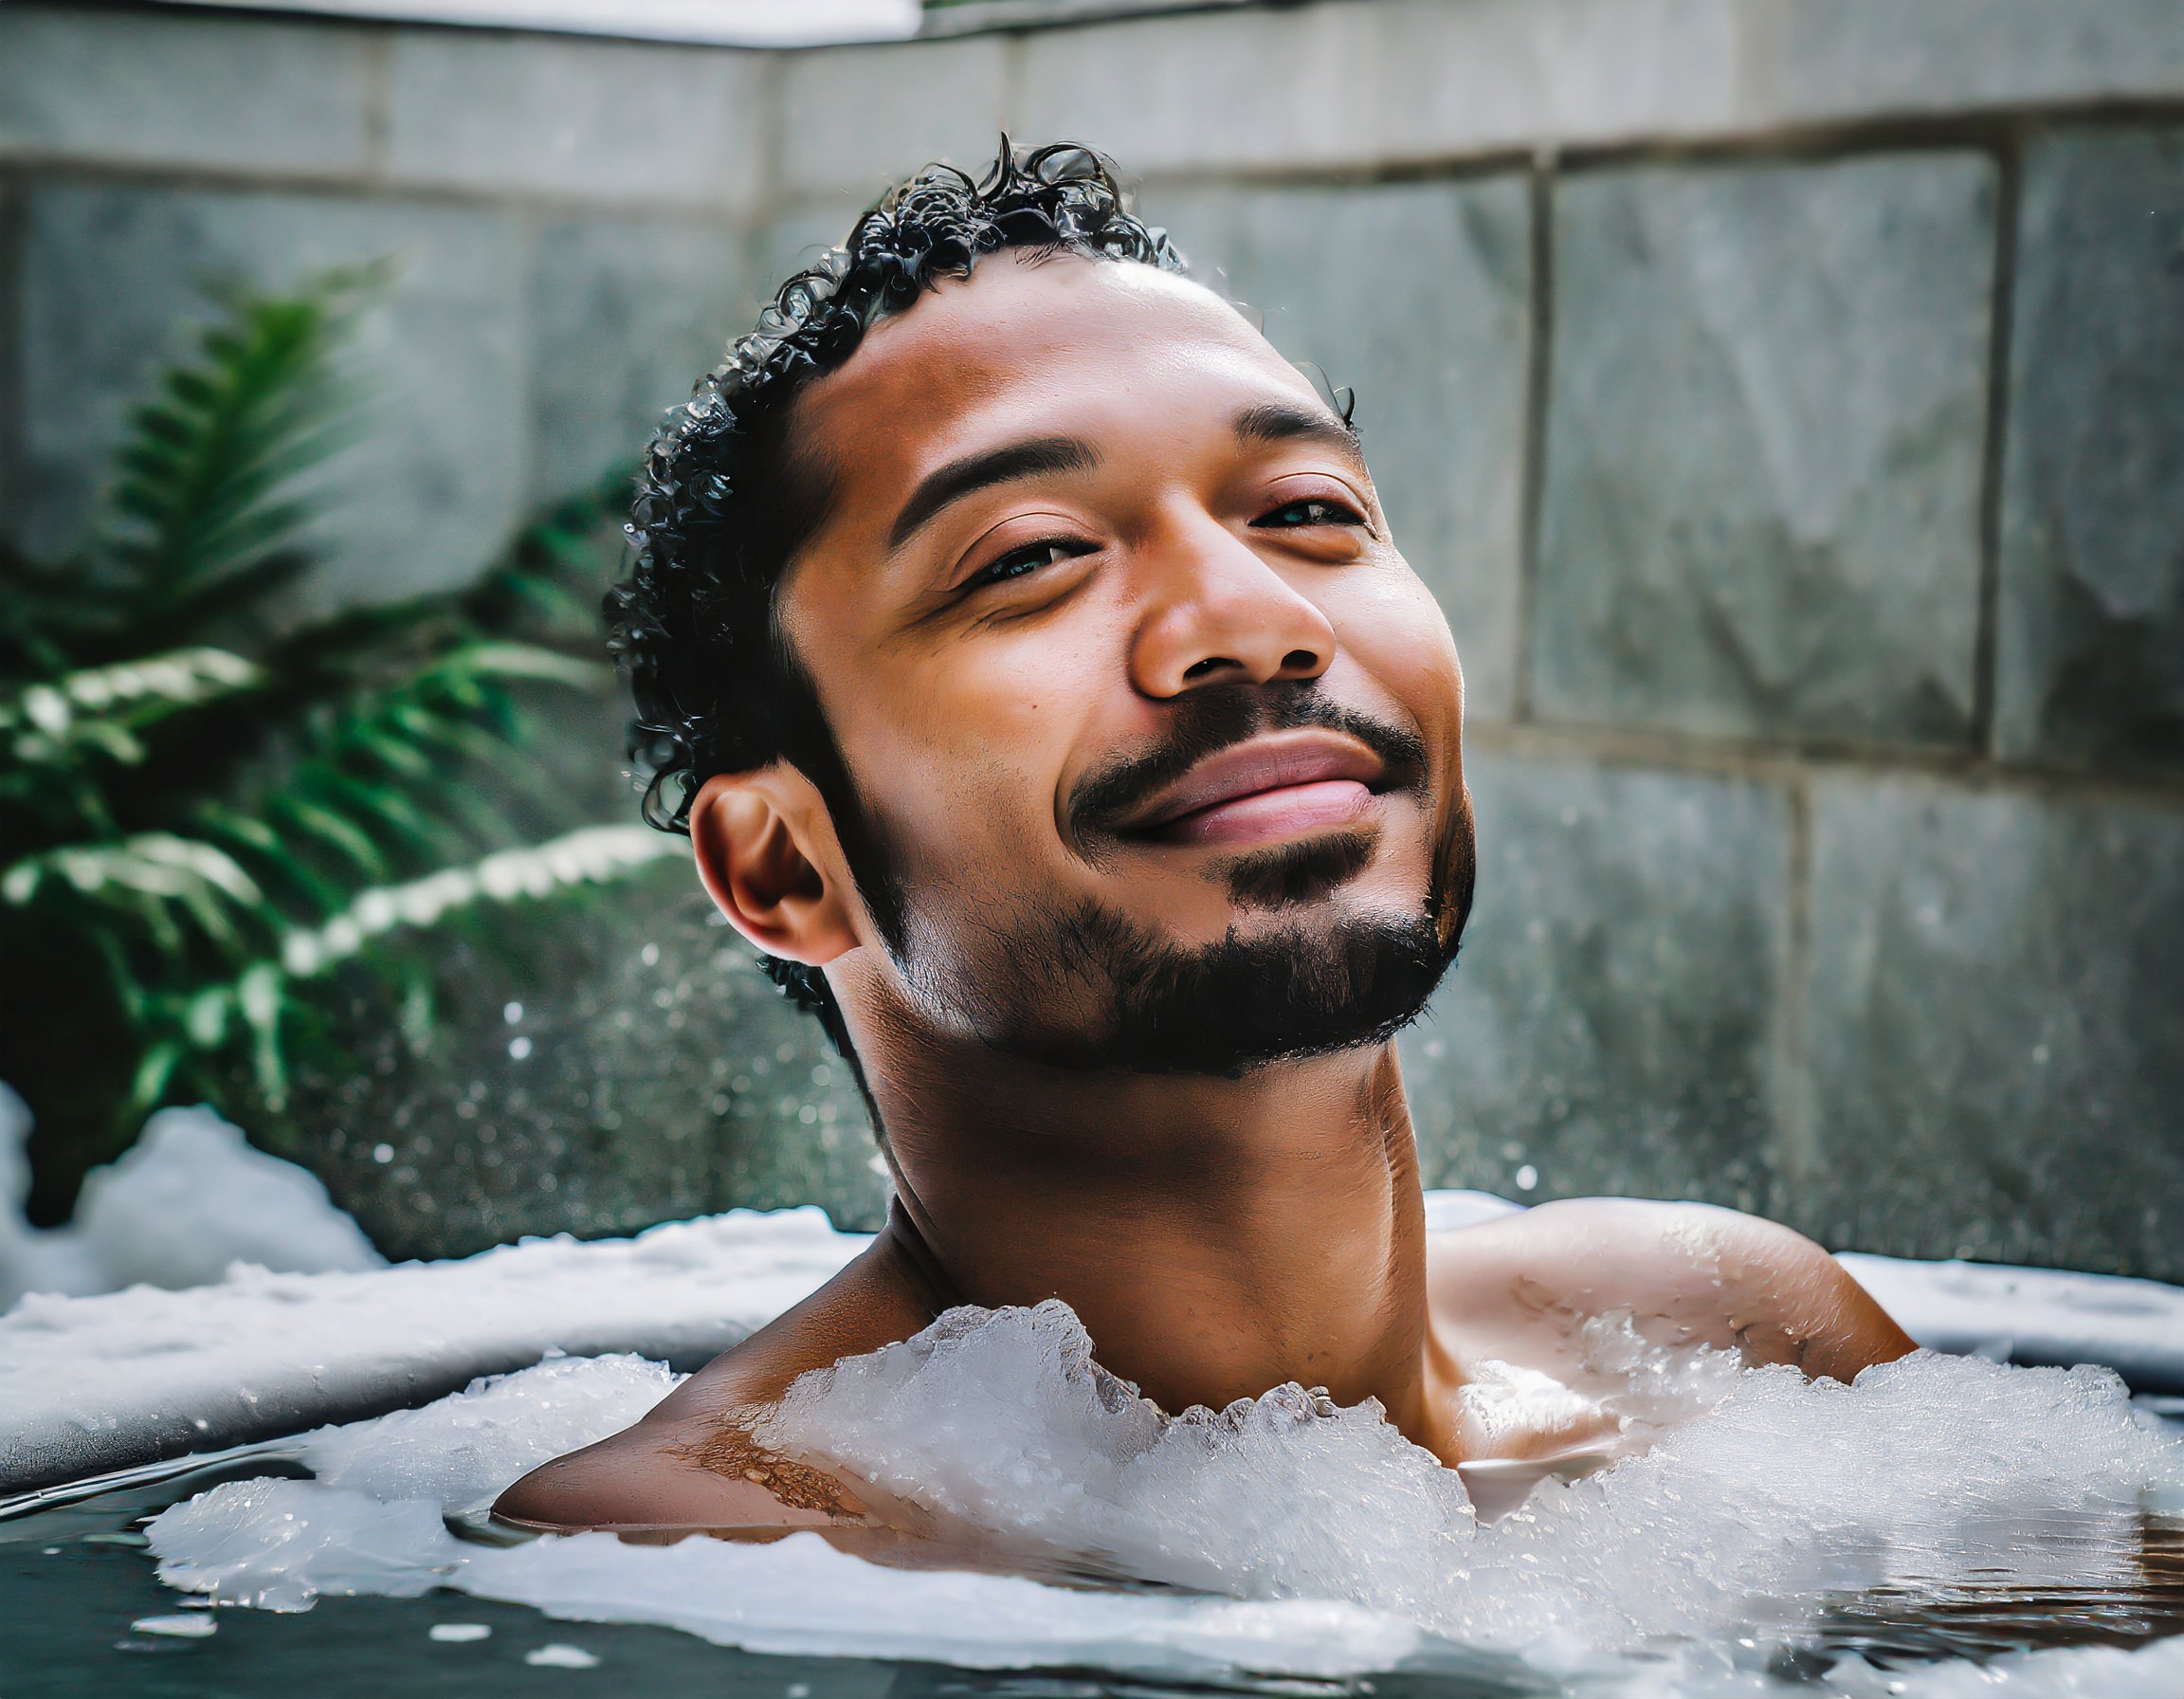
[{"x": 1215, "y": 717}]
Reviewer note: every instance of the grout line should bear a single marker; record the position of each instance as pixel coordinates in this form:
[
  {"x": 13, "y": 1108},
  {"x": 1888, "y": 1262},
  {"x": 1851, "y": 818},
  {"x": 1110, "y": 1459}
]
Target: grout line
[
  {"x": 378, "y": 105},
  {"x": 41, "y": 169},
  {"x": 1016, "y": 50},
  {"x": 1760, "y": 761},
  {"x": 1796, "y": 1159},
  {"x": 2002, "y": 307},
  {"x": 1532, "y": 450},
  {"x": 14, "y": 476},
  {"x": 759, "y": 219},
  {"x": 1808, "y": 142},
  {"x": 1991, "y": 132},
  {"x": 527, "y": 339}
]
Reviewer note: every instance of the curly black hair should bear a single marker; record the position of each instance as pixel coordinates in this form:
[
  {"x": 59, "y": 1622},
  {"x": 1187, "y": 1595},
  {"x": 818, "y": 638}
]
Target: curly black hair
[{"x": 724, "y": 500}]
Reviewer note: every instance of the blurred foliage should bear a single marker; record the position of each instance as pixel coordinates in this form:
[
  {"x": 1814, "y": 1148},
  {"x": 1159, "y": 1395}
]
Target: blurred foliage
[{"x": 207, "y": 803}]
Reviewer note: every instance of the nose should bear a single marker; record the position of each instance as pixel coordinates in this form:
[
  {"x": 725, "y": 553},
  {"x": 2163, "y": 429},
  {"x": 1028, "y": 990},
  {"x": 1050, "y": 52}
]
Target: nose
[{"x": 1219, "y": 614}]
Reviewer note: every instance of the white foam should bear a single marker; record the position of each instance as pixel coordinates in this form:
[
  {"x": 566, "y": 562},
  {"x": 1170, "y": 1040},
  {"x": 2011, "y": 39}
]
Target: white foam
[
  {"x": 1330, "y": 1546},
  {"x": 78, "y": 1374},
  {"x": 188, "y": 1201}
]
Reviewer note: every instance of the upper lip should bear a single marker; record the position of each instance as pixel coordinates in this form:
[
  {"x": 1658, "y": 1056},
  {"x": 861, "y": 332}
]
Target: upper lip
[{"x": 1264, "y": 763}]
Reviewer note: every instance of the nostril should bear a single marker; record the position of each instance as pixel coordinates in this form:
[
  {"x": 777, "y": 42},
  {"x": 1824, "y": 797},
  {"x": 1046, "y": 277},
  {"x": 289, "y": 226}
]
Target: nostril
[
  {"x": 1198, "y": 669},
  {"x": 1298, "y": 659}
]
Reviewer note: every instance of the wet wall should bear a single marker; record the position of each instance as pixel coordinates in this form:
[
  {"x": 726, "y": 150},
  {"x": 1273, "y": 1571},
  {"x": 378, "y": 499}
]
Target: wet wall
[{"x": 1785, "y": 401}]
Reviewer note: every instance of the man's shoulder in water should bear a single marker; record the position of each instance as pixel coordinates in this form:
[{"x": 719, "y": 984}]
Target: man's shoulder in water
[{"x": 1545, "y": 1294}]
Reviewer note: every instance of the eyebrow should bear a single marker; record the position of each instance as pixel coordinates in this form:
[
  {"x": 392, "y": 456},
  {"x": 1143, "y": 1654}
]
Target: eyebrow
[
  {"x": 974, "y": 472},
  {"x": 1284, "y": 422}
]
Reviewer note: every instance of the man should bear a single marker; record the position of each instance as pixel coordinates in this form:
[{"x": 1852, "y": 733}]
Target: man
[{"x": 1027, "y": 656}]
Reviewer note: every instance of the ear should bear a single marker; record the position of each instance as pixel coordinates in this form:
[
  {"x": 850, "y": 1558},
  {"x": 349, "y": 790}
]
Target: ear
[{"x": 765, "y": 849}]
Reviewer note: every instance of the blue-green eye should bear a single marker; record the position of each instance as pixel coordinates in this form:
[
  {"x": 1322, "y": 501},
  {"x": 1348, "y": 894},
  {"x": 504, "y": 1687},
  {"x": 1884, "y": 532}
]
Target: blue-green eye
[
  {"x": 1029, "y": 559},
  {"x": 1301, "y": 513}
]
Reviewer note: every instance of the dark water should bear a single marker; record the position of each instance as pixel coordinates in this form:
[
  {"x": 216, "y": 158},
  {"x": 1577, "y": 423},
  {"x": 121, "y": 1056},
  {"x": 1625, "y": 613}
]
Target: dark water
[
  {"x": 75, "y": 1577},
  {"x": 1986, "y": 1617}
]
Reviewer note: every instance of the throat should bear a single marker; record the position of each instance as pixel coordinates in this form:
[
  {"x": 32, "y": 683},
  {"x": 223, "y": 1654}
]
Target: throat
[{"x": 1217, "y": 1237}]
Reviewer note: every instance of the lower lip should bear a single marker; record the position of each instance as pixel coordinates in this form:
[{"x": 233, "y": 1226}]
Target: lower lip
[{"x": 1267, "y": 816}]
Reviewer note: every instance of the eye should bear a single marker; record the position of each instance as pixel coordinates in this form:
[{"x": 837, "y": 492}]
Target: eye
[
  {"x": 1316, "y": 511},
  {"x": 1017, "y": 563}
]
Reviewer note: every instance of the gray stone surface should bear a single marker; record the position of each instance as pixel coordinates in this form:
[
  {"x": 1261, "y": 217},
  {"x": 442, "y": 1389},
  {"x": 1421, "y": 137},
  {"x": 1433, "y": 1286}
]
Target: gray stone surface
[
  {"x": 1835, "y": 59},
  {"x": 576, "y": 119},
  {"x": 1763, "y": 449},
  {"x": 1995, "y": 1027},
  {"x": 162, "y": 88},
  {"x": 1341, "y": 83},
  {"x": 1612, "y": 1022},
  {"x": 2090, "y": 622},
  {"x": 850, "y": 120},
  {"x": 661, "y": 1076},
  {"x": 11, "y": 351},
  {"x": 1416, "y": 296},
  {"x": 625, "y": 315},
  {"x": 439, "y": 478},
  {"x": 794, "y": 237}
]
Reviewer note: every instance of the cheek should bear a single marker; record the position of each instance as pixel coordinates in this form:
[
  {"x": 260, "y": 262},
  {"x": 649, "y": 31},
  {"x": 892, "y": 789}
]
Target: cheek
[
  {"x": 1393, "y": 627},
  {"x": 963, "y": 752}
]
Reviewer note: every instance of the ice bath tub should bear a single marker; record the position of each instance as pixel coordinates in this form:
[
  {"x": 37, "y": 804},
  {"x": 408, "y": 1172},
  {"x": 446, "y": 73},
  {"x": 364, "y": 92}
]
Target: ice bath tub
[{"x": 1924, "y": 1535}]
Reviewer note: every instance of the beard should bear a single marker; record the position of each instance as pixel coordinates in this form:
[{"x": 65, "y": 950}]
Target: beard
[{"x": 1086, "y": 987}]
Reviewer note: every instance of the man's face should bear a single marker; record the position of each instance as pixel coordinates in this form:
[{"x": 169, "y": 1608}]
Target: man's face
[{"x": 1154, "y": 734}]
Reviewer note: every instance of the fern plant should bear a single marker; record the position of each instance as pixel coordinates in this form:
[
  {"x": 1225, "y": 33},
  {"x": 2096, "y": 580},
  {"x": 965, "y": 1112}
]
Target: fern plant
[{"x": 202, "y": 809}]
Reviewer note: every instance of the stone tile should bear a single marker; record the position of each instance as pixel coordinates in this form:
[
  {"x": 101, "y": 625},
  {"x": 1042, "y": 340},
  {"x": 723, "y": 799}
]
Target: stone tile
[
  {"x": 662, "y": 1077},
  {"x": 795, "y": 236},
  {"x": 1995, "y": 1027},
  {"x": 1405, "y": 80},
  {"x": 576, "y": 119},
  {"x": 1416, "y": 296},
  {"x": 625, "y": 316},
  {"x": 111, "y": 275},
  {"x": 1613, "y": 1021},
  {"x": 173, "y": 89},
  {"x": 1499, "y": 75},
  {"x": 853, "y": 119},
  {"x": 1837, "y": 59},
  {"x": 2090, "y": 622},
  {"x": 1261, "y": 88},
  {"x": 1766, "y": 414}
]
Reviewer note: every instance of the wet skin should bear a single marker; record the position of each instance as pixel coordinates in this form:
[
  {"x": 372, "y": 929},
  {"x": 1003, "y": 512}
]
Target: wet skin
[{"x": 1188, "y": 518}]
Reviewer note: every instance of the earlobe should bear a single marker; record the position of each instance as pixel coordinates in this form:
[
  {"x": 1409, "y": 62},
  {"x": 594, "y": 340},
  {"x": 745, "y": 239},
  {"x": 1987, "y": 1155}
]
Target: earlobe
[{"x": 757, "y": 864}]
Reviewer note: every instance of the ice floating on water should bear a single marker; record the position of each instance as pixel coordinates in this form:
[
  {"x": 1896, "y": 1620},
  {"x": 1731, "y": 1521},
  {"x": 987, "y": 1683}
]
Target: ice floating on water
[
  {"x": 183, "y": 1625},
  {"x": 190, "y": 1200},
  {"x": 1331, "y": 1545},
  {"x": 559, "y": 1656},
  {"x": 91, "y": 1384}
]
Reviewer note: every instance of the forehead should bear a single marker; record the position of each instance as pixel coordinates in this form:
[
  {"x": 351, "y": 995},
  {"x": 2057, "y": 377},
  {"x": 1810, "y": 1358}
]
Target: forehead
[{"x": 1028, "y": 347}]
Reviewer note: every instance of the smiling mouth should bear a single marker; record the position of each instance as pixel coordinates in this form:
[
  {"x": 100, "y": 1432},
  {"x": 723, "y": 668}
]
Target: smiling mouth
[{"x": 1284, "y": 785}]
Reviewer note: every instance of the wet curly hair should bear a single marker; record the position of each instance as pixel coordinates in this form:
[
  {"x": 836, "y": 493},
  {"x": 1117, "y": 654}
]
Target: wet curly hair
[{"x": 726, "y": 498}]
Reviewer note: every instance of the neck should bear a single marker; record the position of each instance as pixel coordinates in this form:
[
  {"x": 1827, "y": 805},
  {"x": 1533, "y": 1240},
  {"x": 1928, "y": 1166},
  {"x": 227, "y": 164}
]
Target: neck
[{"x": 1217, "y": 1237}]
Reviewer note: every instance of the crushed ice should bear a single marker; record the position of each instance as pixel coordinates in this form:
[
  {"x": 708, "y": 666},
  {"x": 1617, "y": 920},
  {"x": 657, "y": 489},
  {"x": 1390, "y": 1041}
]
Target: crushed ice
[{"x": 1316, "y": 1541}]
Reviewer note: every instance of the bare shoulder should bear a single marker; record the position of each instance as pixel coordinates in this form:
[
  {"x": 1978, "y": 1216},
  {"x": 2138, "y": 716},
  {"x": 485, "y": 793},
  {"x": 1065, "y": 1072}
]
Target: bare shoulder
[
  {"x": 1685, "y": 1272},
  {"x": 693, "y": 1461}
]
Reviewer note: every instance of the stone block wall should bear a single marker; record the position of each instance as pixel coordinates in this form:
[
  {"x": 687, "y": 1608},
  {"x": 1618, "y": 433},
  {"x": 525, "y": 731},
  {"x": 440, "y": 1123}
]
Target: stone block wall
[{"x": 1784, "y": 397}]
